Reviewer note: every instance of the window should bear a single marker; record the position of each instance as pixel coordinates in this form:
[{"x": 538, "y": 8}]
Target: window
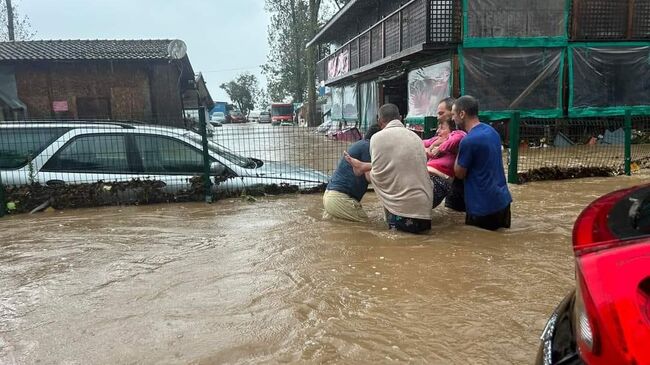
[
  {"x": 164, "y": 155},
  {"x": 630, "y": 217},
  {"x": 19, "y": 145},
  {"x": 92, "y": 153}
]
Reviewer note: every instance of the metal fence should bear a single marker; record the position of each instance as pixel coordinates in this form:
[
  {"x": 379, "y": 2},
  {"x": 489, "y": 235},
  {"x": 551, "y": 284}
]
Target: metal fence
[
  {"x": 555, "y": 149},
  {"x": 69, "y": 164}
]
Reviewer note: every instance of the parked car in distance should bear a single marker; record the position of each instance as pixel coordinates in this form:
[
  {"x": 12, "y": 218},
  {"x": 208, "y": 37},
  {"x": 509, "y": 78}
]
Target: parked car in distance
[
  {"x": 606, "y": 318},
  {"x": 237, "y": 117},
  {"x": 217, "y": 119},
  {"x": 54, "y": 153},
  {"x": 254, "y": 116},
  {"x": 265, "y": 117}
]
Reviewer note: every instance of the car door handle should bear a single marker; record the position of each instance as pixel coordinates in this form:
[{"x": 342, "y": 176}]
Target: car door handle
[{"x": 55, "y": 183}]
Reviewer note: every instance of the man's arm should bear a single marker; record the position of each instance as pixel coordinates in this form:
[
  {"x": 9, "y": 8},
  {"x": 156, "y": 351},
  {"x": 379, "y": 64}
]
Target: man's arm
[
  {"x": 360, "y": 168},
  {"x": 459, "y": 171}
]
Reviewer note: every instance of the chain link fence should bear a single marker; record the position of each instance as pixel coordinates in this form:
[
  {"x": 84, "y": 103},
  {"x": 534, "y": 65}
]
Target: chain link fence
[
  {"x": 70, "y": 164},
  {"x": 556, "y": 149}
]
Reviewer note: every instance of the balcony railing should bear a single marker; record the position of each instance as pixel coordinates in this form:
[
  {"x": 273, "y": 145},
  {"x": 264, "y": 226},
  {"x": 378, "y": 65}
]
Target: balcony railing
[{"x": 418, "y": 22}]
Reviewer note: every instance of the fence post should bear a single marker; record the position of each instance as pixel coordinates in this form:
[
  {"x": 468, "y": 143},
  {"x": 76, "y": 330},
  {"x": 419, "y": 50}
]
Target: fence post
[
  {"x": 3, "y": 203},
  {"x": 206, "y": 156},
  {"x": 513, "y": 126},
  {"x": 430, "y": 126},
  {"x": 628, "y": 142}
]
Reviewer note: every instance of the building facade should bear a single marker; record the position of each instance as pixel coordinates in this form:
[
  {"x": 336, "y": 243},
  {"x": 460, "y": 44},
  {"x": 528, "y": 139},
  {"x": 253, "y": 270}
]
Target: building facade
[{"x": 123, "y": 80}]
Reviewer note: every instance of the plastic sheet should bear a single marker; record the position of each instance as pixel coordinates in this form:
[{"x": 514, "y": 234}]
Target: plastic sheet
[
  {"x": 368, "y": 97},
  {"x": 350, "y": 109},
  {"x": 516, "y": 18},
  {"x": 337, "y": 103},
  {"x": 606, "y": 80},
  {"x": 427, "y": 86},
  {"x": 507, "y": 79}
]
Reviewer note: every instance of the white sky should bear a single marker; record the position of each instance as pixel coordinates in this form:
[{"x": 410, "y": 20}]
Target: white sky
[{"x": 224, "y": 37}]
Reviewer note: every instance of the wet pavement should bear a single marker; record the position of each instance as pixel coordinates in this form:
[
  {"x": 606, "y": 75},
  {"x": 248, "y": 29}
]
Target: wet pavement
[{"x": 272, "y": 282}]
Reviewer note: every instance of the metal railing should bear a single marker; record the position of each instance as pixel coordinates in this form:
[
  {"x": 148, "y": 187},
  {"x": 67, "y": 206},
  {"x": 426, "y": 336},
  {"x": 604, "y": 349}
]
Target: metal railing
[
  {"x": 556, "y": 149},
  {"x": 418, "y": 22}
]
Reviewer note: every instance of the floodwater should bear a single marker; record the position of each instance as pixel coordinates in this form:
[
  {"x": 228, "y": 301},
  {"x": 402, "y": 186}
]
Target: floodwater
[{"x": 272, "y": 282}]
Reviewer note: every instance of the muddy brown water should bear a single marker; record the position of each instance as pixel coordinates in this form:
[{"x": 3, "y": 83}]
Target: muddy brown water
[{"x": 272, "y": 282}]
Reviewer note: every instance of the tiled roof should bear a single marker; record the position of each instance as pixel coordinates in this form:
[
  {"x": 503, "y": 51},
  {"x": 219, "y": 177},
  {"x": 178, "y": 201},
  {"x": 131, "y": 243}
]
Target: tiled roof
[{"x": 84, "y": 50}]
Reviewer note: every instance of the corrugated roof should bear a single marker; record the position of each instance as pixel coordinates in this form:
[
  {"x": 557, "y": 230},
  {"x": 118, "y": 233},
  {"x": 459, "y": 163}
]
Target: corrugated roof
[{"x": 84, "y": 50}]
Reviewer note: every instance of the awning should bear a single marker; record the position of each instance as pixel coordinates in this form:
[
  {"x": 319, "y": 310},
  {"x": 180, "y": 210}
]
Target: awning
[{"x": 8, "y": 90}]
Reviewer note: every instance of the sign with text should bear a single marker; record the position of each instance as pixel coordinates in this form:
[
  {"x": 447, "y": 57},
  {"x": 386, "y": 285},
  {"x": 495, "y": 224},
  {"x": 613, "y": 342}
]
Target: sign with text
[
  {"x": 60, "y": 106},
  {"x": 338, "y": 65}
]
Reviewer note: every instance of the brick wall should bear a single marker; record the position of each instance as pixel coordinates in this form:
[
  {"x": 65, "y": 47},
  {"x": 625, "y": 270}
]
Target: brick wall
[{"x": 100, "y": 89}]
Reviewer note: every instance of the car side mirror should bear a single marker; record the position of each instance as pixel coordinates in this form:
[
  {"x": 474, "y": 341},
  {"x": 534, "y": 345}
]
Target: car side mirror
[{"x": 218, "y": 169}]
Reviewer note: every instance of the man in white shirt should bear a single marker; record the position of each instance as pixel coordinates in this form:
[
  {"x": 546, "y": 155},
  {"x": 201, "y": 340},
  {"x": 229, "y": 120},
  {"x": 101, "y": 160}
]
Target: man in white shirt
[{"x": 398, "y": 173}]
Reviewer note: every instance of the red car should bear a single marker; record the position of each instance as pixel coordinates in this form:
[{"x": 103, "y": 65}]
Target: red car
[
  {"x": 606, "y": 319},
  {"x": 237, "y": 117}
]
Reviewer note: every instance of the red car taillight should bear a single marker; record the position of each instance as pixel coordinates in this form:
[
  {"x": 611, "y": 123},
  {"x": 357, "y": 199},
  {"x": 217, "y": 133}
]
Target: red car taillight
[{"x": 587, "y": 332}]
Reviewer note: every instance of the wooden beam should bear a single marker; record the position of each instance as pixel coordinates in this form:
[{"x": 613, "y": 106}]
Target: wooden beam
[{"x": 630, "y": 19}]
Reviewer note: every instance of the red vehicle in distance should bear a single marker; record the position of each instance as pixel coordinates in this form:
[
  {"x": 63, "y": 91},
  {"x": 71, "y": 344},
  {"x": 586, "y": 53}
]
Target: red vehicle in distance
[{"x": 281, "y": 113}]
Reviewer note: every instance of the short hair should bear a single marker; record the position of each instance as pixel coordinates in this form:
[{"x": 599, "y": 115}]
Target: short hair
[
  {"x": 467, "y": 104},
  {"x": 450, "y": 123},
  {"x": 448, "y": 102},
  {"x": 371, "y": 131},
  {"x": 389, "y": 112}
]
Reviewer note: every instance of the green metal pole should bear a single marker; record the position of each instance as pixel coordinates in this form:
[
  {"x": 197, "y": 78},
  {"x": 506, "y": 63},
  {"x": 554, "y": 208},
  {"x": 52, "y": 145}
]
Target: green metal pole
[
  {"x": 3, "y": 203},
  {"x": 430, "y": 126},
  {"x": 628, "y": 142},
  {"x": 513, "y": 178},
  {"x": 206, "y": 156}
]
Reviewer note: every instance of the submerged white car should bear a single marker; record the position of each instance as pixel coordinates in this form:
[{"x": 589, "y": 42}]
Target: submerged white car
[{"x": 53, "y": 153}]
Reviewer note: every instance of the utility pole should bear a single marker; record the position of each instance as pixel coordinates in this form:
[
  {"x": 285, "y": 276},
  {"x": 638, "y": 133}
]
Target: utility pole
[
  {"x": 10, "y": 21},
  {"x": 311, "y": 64}
]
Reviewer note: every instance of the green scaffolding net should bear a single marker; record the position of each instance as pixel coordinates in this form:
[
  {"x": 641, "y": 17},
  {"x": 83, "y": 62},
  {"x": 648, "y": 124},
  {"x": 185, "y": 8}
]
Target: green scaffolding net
[
  {"x": 509, "y": 23},
  {"x": 507, "y": 79},
  {"x": 607, "y": 79}
]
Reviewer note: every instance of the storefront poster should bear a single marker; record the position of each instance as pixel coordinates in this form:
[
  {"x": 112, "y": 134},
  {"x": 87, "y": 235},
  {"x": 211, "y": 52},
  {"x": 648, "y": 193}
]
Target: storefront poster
[{"x": 427, "y": 86}]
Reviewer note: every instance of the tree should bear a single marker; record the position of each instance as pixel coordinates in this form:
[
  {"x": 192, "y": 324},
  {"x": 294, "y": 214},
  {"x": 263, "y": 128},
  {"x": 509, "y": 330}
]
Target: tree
[
  {"x": 290, "y": 69},
  {"x": 20, "y": 26},
  {"x": 243, "y": 91}
]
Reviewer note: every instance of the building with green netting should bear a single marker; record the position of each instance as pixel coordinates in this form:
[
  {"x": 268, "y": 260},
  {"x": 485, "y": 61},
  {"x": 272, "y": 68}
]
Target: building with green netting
[{"x": 565, "y": 82}]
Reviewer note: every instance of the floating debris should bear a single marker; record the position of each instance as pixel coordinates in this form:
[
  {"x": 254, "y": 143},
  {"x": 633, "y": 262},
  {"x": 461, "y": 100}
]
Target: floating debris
[{"x": 564, "y": 173}]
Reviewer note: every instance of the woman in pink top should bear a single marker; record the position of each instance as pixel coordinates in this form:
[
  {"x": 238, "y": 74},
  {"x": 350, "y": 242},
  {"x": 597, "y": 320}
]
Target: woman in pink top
[{"x": 442, "y": 150}]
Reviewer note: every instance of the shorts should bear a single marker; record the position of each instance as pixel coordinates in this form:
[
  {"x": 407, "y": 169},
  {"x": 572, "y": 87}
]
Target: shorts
[
  {"x": 342, "y": 206},
  {"x": 492, "y": 222},
  {"x": 456, "y": 197},
  {"x": 405, "y": 224},
  {"x": 441, "y": 189}
]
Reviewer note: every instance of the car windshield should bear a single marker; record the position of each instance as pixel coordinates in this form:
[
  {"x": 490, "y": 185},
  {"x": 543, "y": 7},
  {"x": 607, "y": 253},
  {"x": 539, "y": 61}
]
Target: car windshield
[
  {"x": 265, "y": 113},
  {"x": 218, "y": 114},
  {"x": 236, "y": 114},
  {"x": 224, "y": 152},
  {"x": 281, "y": 110}
]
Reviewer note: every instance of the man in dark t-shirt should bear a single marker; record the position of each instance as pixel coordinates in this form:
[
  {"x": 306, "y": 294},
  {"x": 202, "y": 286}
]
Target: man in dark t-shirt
[
  {"x": 480, "y": 164},
  {"x": 342, "y": 199}
]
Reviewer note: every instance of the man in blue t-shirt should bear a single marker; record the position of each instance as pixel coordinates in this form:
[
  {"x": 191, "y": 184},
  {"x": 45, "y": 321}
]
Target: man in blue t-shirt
[
  {"x": 342, "y": 199},
  {"x": 480, "y": 164}
]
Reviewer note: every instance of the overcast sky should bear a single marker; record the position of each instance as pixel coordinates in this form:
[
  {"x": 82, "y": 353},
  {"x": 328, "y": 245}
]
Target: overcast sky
[{"x": 223, "y": 37}]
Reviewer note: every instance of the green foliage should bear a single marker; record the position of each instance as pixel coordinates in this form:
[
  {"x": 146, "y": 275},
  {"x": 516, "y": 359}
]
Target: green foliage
[
  {"x": 243, "y": 91},
  {"x": 291, "y": 28},
  {"x": 22, "y": 27}
]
